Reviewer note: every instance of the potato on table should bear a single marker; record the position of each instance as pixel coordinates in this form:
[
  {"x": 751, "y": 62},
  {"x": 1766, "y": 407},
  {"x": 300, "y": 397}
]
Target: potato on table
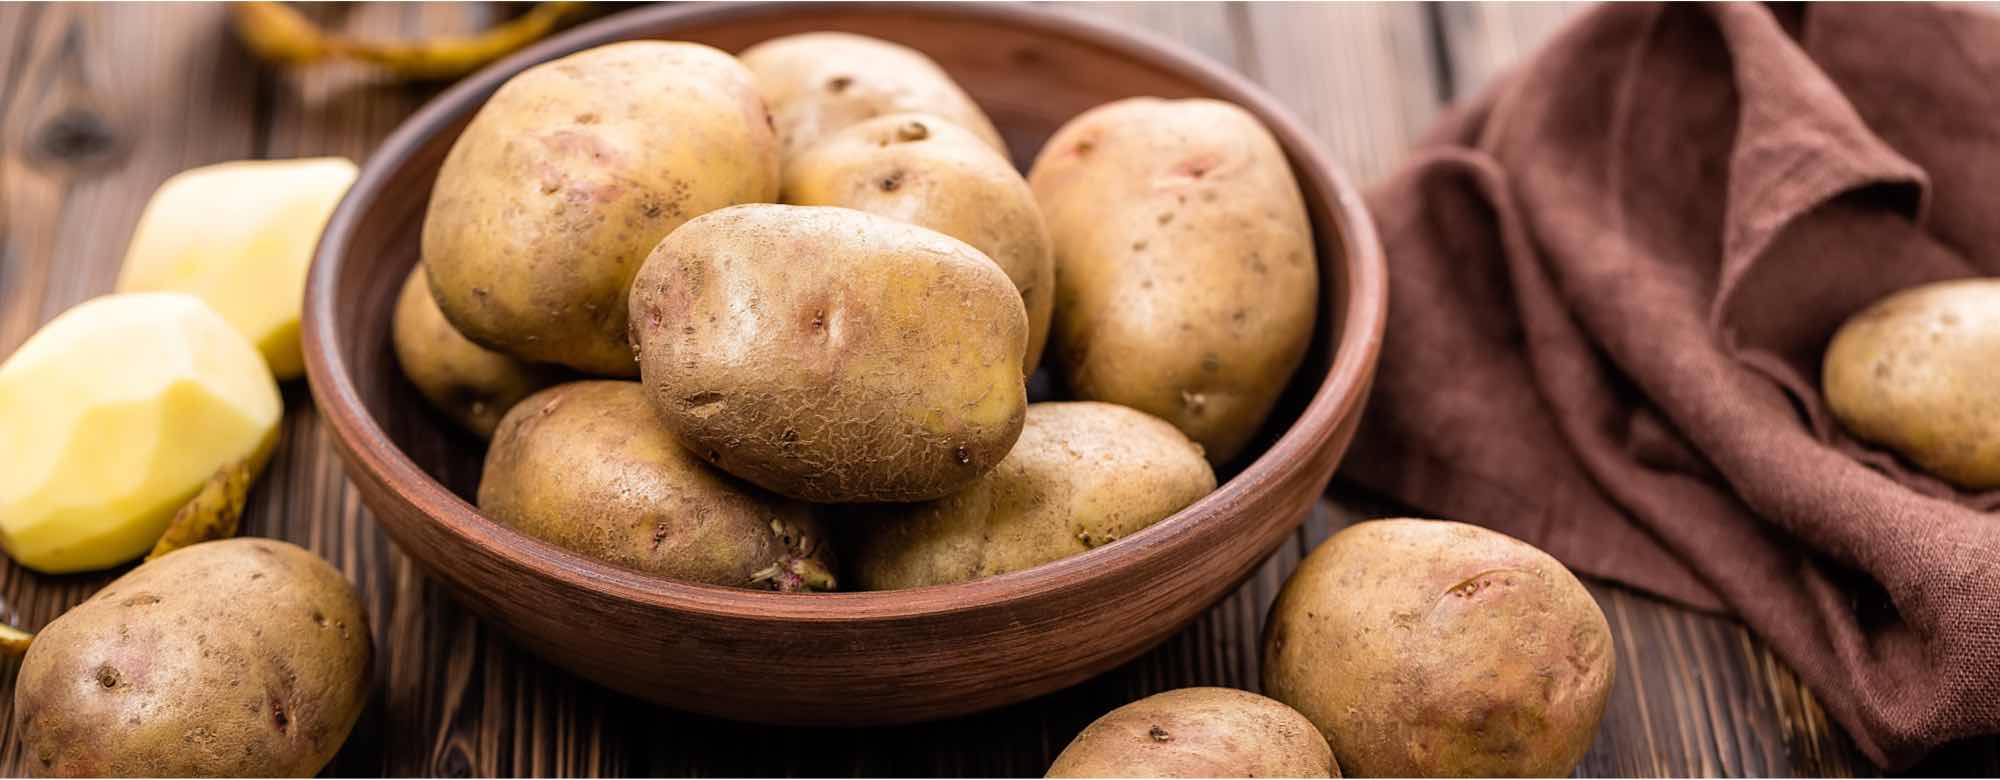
[
  {"x": 584, "y": 466},
  {"x": 832, "y": 355},
  {"x": 924, "y": 170},
  {"x": 1919, "y": 373},
  {"x": 568, "y": 176},
  {"x": 233, "y": 658},
  {"x": 113, "y": 415},
  {"x": 817, "y": 83},
  {"x": 1198, "y": 732},
  {"x": 1424, "y": 648},
  {"x": 471, "y": 384},
  {"x": 240, "y": 236},
  {"x": 1083, "y": 474},
  {"x": 1185, "y": 278}
]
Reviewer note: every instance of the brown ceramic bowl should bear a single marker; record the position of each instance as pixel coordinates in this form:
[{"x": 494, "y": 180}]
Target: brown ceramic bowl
[{"x": 845, "y": 658}]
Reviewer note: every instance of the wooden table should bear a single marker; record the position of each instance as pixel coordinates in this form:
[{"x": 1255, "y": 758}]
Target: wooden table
[{"x": 99, "y": 104}]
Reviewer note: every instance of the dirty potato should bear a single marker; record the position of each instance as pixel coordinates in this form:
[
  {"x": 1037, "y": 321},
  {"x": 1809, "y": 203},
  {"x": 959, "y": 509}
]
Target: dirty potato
[
  {"x": 1185, "y": 278},
  {"x": 471, "y": 384},
  {"x": 1425, "y": 648},
  {"x": 817, "y": 83},
  {"x": 234, "y": 658},
  {"x": 1919, "y": 373},
  {"x": 832, "y": 355},
  {"x": 569, "y": 175},
  {"x": 924, "y": 170},
  {"x": 1082, "y": 475},
  {"x": 584, "y": 466},
  {"x": 1198, "y": 732}
]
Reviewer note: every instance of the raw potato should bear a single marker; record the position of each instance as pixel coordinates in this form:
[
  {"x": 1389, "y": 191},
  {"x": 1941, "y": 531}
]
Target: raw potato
[
  {"x": 1423, "y": 648},
  {"x": 235, "y": 658},
  {"x": 1198, "y": 732},
  {"x": 584, "y": 466},
  {"x": 832, "y": 355},
  {"x": 924, "y": 170},
  {"x": 471, "y": 384},
  {"x": 569, "y": 175},
  {"x": 240, "y": 236},
  {"x": 817, "y": 83},
  {"x": 113, "y": 416},
  {"x": 1919, "y": 373},
  {"x": 1185, "y": 278},
  {"x": 1082, "y": 475}
]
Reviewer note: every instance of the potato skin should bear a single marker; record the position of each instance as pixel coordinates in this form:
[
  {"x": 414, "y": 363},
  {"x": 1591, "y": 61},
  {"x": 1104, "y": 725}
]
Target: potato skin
[
  {"x": 1198, "y": 732},
  {"x": 471, "y": 384},
  {"x": 235, "y": 658},
  {"x": 1185, "y": 278},
  {"x": 585, "y": 466},
  {"x": 817, "y": 83},
  {"x": 924, "y": 170},
  {"x": 1919, "y": 373},
  {"x": 832, "y": 355},
  {"x": 1083, "y": 474},
  {"x": 1426, "y": 648},
  {"x": 569, "y": 175}
]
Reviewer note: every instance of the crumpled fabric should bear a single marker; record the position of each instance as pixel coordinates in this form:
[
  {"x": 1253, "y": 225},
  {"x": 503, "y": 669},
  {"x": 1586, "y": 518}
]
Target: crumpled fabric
[{"x": 1613, "y": 274}]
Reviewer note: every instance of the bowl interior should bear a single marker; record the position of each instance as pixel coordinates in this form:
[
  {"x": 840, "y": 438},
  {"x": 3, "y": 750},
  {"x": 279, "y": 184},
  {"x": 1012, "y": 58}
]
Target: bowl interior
[{"x": 1031, "y": 70}]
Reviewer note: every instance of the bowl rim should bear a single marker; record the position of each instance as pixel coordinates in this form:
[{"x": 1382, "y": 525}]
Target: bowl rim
[{"x": 1340, "y": 396}]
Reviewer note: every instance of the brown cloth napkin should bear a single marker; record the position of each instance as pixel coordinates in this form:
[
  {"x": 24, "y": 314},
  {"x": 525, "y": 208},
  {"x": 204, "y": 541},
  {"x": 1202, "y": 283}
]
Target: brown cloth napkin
[{"x": 1612, "y": 277}]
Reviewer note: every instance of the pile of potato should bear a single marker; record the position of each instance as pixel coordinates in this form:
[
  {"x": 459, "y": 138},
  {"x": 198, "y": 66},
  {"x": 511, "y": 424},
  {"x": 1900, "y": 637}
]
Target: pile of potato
[{"x": 832, "y": 286}]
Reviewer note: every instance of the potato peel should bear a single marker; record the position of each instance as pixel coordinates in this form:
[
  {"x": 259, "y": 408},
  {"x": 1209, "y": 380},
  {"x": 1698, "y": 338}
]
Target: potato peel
[
  {"x": 279, "y": 33},
  {"x": 216, "y": 511},
  {"x": 13, "y": 641}
]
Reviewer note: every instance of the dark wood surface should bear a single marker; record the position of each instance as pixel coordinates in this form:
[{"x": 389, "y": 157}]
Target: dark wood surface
[{"x": 99, "y": 104}]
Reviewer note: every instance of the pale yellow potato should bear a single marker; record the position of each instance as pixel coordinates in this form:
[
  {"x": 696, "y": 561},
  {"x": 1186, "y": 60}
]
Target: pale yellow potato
[
  {"x": 817, "y": 83},
  {"x": 1919, "y": 373},
  {"x": 240, "y": 236},
  {"x": 1198, "y": 732},
  {"x": 922, "y": 169},
  {"x": 113, "y": 415},
  {"x": 1083, "y": 474},
  {"x": 1425, "y": 648},
  {"x": 471, "y": 384},
  {"x": 567, "y": 177},
  {"x": 1185, "y": 278},
  {"x": 832, "y": 355}
]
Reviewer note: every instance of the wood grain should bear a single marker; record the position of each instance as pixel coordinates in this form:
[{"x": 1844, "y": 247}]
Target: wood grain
[{"x": 1696, "y": 695}]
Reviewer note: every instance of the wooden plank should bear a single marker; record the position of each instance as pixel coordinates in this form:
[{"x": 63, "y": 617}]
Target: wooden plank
[
  {"x": 95, "y": 115},
  {"x": 454, "y": 698},
  {"x": 1483, "y": 39}
]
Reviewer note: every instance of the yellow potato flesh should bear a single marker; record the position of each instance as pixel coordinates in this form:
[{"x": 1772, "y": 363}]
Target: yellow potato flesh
[
  {"x": 240, "y": 236},
  {"x": 113, "y": 415}
]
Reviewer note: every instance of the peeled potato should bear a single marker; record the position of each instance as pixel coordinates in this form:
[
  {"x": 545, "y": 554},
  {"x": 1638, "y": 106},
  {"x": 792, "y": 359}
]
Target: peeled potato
[
  {"x": 240, "y": 236},
  {"x": 113, "y": 416}
]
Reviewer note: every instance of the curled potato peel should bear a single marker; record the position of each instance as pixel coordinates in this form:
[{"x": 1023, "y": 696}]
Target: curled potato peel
[{"x": 279, "y": 33}]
